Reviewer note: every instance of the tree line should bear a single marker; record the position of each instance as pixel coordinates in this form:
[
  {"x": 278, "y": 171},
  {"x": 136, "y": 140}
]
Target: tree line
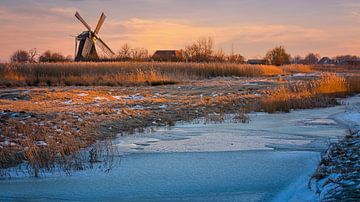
[{"x": 202, "y": 50}]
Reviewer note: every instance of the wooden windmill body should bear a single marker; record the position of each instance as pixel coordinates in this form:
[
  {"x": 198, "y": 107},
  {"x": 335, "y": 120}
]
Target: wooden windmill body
[{"x": 89, "y": 40}]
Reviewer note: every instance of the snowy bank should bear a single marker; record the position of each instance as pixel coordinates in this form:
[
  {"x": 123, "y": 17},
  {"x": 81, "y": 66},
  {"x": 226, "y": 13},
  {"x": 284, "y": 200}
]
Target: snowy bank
[{"x": 338, "y": 175}]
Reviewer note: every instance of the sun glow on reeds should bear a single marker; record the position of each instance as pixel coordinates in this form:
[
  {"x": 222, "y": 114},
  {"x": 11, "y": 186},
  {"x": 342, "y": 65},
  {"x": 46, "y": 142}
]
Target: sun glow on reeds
[{"x": 129, "y": 73}]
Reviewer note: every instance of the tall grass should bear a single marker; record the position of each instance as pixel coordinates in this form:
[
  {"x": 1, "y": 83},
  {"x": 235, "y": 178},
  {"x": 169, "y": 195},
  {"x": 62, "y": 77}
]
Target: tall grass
[
  {"x": 128, "y": 73},
  {"x": 316, "y": 93}
]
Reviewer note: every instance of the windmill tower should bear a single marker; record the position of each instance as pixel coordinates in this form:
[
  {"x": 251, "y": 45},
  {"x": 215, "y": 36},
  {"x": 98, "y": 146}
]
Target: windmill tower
[{"x": 86, "y": 41}]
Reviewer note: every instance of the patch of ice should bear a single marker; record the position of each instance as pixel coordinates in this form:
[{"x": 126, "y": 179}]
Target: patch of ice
[
  {"x": 353, "y": 117},
  {"x": 312, "y": 74},
  {"x": 138, "y": 107},
  {"x": 41, "y": 143},
  {"x": 163, "y": 106},
  {"x": 5, "y": 143},
  {"x": 68, "y": 102},
  {"x": 320, "y": 121},
  {"x": 118, "y": 97},
  {"x": 100, "y": 98},
  {"x": 134, "y": 97},
  {"x": 299, "y": 75}
]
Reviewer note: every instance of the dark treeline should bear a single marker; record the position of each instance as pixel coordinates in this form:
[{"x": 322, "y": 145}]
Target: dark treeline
[{"x": 201, "y": 50}]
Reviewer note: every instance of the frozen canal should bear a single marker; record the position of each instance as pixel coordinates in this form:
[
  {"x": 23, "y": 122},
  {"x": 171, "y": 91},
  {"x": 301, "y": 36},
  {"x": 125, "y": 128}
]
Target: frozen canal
[{"x": 271, "y": 158}]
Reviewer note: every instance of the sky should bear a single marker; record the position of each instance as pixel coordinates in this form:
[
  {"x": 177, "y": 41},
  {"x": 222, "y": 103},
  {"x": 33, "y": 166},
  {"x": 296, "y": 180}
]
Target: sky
[{"x": 249, "y": 27}]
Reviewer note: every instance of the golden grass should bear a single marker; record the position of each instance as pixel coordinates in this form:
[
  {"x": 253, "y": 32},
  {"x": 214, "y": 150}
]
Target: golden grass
[
  {"x": 291, "y": 69},
  {"x": 108, "y": 116},
  {"x": 129, "y": 73},
  {"x": 305, "y": 95}
]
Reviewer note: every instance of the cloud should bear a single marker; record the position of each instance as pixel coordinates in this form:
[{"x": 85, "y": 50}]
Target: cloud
[
  {"x": 68, "y": 11},
  {"x": 173, "y": 34},
  {"x": 39, "y": 28},
  {"x": 49, "y": 27}
]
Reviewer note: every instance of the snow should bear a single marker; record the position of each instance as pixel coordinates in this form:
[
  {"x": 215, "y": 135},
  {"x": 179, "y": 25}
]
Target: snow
[
  {"x": 312, "y": 74},
  {"x": 130, "y": 97},
  {"x": 100, "y": 98},
  {"x": 68, "y": 102},
  {"x": 137, "y": 107},
  {"x": 135, "y": 97},
  {"x": 320, "y": 121},
  {"x": 117, "y": 97},
  {"x": 41, "y": 143},
  {"x": 5, "y": 143},
  {"x": 82, "y": 94},
  {"x": 163, "y": 106}
]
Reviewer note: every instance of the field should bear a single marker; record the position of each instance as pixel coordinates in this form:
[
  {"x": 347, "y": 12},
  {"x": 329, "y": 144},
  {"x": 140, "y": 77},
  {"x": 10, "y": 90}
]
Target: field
[
  {"x": 50, "y": 112},
  {"x": 130, "y": 73}
]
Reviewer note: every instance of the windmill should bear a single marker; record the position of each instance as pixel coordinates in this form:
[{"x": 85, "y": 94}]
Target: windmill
[{"x": 88, "y": 39}]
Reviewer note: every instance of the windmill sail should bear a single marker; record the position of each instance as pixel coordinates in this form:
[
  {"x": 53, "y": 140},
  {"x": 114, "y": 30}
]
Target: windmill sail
[
  {"x": 105, "y": 48},
  {"x": 100, "y": 23},
  {"x": 78, "y": 16}
]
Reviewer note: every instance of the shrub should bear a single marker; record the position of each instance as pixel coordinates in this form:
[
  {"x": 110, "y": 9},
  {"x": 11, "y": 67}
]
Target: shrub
[
  {"x": 20, "y": 56},
  {"x": 48, "y": 56},
  {"x": 278, "y": 56}
]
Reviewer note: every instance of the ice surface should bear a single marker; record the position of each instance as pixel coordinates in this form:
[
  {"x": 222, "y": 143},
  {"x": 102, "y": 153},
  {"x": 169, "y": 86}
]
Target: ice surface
[
  {"x": 300, "y": 130},
  {"x": 224, "y": 176}
]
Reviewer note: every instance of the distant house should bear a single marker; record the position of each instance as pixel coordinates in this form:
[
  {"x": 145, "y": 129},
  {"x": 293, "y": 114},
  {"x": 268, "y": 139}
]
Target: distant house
[
  {"x": 326, "y": 61},
  {"x": 257, "y": 61},
  {"x": 167, "y": 55},
  {"x": 349, "y": 62}
]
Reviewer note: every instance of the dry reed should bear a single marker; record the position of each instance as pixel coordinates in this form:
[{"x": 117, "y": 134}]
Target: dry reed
[
  {"x": 128, "y": 73},
  {"x": 316, "y": 93}
]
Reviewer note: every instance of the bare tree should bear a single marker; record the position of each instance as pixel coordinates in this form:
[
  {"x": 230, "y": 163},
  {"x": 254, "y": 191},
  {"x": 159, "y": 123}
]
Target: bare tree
[
  {"x": 297, "y": 60},
  {"x": 33, "y": 54},
  {"x": 125, "y": 52},
  {"x": 343, "y": 59},
  {"x": 201, "y": 50},
  {"x": 311, "y": 59},
  {"x": 48, "y": 56},
  {"x": 219, "y": 56},
  {"x": 278, "y": 56},
  {"x": 20, "y": 56},
  {"x": 140, "y": 54},
  {"x": 236, "y": 58}
]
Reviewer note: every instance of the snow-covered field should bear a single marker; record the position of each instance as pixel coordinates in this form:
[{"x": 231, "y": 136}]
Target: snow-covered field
[{"x": 271, "y": 158}]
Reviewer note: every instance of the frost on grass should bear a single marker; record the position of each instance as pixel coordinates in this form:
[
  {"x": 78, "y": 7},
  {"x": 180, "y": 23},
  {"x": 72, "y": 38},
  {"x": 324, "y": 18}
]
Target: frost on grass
[{"x": 338, "y": 175}]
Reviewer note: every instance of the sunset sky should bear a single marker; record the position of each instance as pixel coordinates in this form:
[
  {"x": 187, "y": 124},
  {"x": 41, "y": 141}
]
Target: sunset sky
[{"x": 328, "y": 27}]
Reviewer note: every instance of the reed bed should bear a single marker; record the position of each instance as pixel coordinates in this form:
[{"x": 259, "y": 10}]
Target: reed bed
[
  {"x": 129, "y": 73},
  {"x": 311, "y": 94}
]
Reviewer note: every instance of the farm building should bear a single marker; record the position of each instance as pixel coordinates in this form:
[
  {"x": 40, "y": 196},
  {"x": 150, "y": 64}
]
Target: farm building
[
  {"x": 326, "y": 61},
  {"x": 167, "y": 55},
  {"x": 257, "y": 62}
]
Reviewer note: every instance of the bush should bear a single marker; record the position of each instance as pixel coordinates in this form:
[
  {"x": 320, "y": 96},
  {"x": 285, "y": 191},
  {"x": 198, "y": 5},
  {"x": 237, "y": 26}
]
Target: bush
[
  {"x": 278, "y": 56},
  {"x": 20, "y": 56},
  {"x": 48, "y": 56},
  {"x": 311, "y": 59}
]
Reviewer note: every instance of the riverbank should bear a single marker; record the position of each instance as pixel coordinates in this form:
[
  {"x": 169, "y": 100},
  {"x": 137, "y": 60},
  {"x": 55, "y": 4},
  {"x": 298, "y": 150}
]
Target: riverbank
[
  {"x": 271, "y": 157},
  {"x": 338, "y": 176}
]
